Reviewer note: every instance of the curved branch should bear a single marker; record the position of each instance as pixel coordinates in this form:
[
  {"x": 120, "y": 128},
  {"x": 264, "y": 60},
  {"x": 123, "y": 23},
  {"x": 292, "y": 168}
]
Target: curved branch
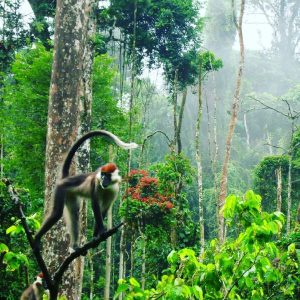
[{"x": 151, "y": 135}]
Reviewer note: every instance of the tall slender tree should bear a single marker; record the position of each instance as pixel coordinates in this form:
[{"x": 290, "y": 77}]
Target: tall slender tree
[{"x": 232, "y": 123}]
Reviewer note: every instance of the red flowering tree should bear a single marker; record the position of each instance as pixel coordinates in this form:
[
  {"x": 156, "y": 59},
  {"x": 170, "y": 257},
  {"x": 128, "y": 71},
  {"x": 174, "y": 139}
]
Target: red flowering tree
[
  {"x": 146, "y": 189},
  {"x": 144, "y": 199}
]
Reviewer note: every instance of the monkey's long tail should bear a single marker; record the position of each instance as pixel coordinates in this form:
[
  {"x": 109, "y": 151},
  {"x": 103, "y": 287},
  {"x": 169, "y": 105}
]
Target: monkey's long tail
[{"x": 79, "y": 142}]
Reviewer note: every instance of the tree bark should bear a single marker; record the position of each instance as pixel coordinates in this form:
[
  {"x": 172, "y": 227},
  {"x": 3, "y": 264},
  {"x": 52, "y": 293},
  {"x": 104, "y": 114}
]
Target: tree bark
[
  {"x": 174, "y": 146},
  {"x": 108, "y": 258},
  {"x": 233, "y": 120},
  {"x": 279, "y": 188},
  {"x": 131, "y": 101},
  {"x": 69, "y": 105},
  {"x": 143, "y": 280},
  {"x": 246, "y": 130},
  {"x": 199, "y": 164},
  {"x": 180, "y": 119}
]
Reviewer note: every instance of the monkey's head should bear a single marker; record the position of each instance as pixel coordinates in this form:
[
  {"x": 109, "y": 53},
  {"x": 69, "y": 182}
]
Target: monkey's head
[{"x": 108, "y": 175}]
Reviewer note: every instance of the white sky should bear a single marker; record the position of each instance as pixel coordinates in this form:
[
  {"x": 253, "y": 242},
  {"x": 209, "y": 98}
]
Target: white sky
[{"x": 257, "y": 32}]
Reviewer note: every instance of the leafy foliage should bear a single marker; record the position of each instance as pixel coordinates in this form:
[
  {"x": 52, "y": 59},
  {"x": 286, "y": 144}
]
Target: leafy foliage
[
  {"x": 15, "y": 253},
  {"x": 265, "y": 181},
  {"x": 24, "y": 115},
  {"x": 252, "y": 266},
  {"x": 167, "y": 32}
]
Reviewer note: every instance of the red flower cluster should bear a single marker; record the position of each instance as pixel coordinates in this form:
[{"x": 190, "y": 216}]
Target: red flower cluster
[{"x": 145, "y": 189}]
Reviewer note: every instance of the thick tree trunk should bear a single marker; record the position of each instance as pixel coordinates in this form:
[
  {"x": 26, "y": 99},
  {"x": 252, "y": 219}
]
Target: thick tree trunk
[
  {"x": 233, "y": 120},
  {"x": 69, "y": 105},
  {"x": 199, "y": 163},
  {"x": 279, "y": 188}
]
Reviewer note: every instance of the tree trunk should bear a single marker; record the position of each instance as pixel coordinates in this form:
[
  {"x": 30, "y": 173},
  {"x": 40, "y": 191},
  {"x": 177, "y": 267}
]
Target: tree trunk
[
  {"x": 246, "y": 130},
  {"x": 108, "y": 258},
  {"x": 1, "y": 156},
  {"x": 269, "y": 141},
  {"x": 234, "y": 113},
  {"x": 289, "y": 197},
  {"x": 144, "y": 262},
  {"x": 132, "y": 92},
  {"x": 279, "y": 188},
  {"x": 180, "y": 119},
  {"x": 69, "y": 105},
  {"x": 215, "y": 156},
  {"x": 91, "y": 263},
  {"x": 198, "y": 160},
  {"x": 174, "y": 146},
  {"x": 108, "y": 243}
]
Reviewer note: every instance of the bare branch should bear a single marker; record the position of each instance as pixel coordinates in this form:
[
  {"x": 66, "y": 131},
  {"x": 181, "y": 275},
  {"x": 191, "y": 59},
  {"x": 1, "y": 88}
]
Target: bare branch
[
  {"x": 274, "y": 146},
  {"x": 289, "y": 107},
  {"x": 151, "y": 135},
  {"x": 269, "y": 107}
]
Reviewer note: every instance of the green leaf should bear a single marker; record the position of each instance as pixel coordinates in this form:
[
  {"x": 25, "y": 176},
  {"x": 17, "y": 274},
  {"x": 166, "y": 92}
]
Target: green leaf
[
  {"x": 198, "y": 292},
  {"x": 229, "y": 207},
  {"x": 3, "y": 248},
  {"x": 11, "y": 229},
  {"x": 292, "y": 248},
  {"x": 134, "y": 282}
]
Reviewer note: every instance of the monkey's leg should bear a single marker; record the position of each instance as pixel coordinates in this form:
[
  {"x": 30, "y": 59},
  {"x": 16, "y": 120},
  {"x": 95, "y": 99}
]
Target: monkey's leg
[
  {"x": 99, "y": 225},
  {"x": 55, "y": 214},
  {"x": 72, "y": 212}
]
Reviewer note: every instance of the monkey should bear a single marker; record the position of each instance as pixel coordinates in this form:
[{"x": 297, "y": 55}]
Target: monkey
[
  {"x": 101, "y": 186},
  {"x": 36, "y": 290}
]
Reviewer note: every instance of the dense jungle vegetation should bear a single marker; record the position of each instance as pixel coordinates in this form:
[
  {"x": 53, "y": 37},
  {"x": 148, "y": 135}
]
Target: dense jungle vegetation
[{"x": 209, "y": 90}]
